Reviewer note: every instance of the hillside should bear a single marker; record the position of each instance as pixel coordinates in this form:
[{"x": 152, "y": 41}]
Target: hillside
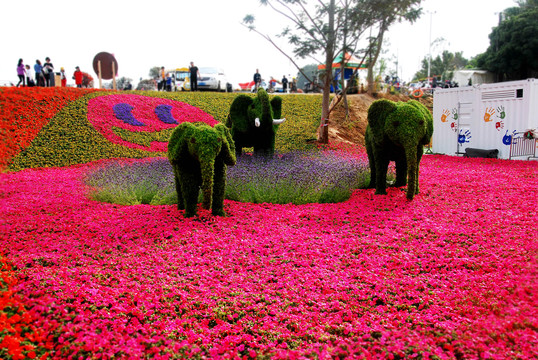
[{"x": 351, "y": 129}]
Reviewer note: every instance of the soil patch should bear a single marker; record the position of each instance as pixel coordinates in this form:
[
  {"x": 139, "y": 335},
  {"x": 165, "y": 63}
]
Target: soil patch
[{"x": 350, "y": 127}]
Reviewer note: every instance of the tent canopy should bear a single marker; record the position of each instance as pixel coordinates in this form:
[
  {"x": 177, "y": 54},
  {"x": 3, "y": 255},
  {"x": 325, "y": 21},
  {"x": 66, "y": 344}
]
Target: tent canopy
[{"x": 350, "y": 62}]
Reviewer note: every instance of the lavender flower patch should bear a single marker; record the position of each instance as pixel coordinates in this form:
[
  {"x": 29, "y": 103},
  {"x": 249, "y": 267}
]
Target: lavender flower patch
[
  {"x": 296, "y": 177},
  {"x": 139, "y": 182}
]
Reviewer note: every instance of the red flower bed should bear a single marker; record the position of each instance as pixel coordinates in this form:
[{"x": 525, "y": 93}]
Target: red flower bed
[
  {"x": 451, "y": 274},
  {"x": 19, "y": 337},
  {"x": 24, "y": 111}
]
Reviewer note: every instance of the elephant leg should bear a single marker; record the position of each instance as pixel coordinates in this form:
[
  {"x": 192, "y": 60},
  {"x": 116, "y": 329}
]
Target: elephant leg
[
  {"x": 381, "y": 168},
  {"x": 420, "y": 152},
  {"x": 219, "y": 189},
  {"x": 190, "y": 188},
  {"x": 401, "y": 173},
  {"x": 180, "y": 202},
  {"x": 412, "y": 173}
]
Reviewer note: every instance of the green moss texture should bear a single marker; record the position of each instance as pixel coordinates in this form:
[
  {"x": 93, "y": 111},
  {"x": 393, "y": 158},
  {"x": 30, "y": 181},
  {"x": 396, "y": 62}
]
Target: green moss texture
[
  {"x": 199, "y": 155},
  {"x": 397, "y": 132}
]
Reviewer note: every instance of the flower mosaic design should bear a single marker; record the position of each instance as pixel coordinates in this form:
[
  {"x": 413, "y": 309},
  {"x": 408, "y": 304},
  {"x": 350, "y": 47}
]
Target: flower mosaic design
[{"x": 141, "y": 122}]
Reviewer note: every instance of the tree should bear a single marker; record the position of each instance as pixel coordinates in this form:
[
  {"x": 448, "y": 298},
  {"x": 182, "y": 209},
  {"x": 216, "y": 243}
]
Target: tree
[
  {"x": 154, "y": 72},
  {"x": 309, "y": 72},
  {"x": 148, "y": 84},
  {"x": 389, "y": 12},
  {"x": 513, "y": 50},
  {"x": 122, "y": 82},
  {"x": 443, "y": 65},
  {"x": 325, "y": 30}
]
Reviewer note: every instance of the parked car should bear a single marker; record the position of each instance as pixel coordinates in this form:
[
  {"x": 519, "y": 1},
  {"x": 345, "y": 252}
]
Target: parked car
[{"x": 212, "y": 78}]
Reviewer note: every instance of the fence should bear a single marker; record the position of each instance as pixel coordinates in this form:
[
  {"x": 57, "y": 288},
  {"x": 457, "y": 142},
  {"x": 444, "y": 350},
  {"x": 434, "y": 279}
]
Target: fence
[{"x": 522, "y": 146}]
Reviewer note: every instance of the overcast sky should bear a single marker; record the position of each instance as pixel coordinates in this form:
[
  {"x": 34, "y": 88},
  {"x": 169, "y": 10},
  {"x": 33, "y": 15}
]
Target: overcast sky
[{"x": 172, "y": 33}]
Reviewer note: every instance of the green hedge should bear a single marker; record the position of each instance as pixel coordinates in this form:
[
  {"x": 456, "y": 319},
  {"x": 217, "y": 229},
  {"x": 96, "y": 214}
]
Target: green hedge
[{"x": 69, "y": 138}]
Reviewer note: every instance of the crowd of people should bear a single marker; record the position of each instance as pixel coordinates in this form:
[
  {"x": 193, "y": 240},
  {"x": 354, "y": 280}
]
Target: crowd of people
[
  {"x": 258, "y": 81},
  {"x": 43, "y": 74}
]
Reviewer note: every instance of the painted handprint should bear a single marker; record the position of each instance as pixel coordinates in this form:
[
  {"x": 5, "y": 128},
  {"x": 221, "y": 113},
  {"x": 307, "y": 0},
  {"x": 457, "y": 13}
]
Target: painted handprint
[
  {"x": 501, "y": 112},
  {"x": 488, "y": 114},
  {"x": 464, "y": 137},
  {"x": 499, "y": 125},
  {"x": 444, "y": 117},
  {"x": 455, "y": 113},
  {"x": 454, "y": 127},
  {"x": 507, "y": 139}
]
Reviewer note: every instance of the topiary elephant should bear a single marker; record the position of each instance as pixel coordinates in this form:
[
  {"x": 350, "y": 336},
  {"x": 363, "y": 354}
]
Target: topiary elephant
[
  {"x": 199, "y": 154},
  {"x": 397, "y": 132},
  {"x": 254, "y": 122}
]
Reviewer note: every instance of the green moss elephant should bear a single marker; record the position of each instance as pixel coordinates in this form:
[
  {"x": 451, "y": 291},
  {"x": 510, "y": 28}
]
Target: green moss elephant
[
  {"x": 199, "y": 154},
  {"x": 397, "y": 132},
  {"x": 254, "y": 122}
]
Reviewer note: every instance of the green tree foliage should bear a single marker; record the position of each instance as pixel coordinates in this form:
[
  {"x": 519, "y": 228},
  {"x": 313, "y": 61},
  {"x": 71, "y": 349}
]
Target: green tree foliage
[
  {"x": 513, "y": 50},
  {"x": 388, "y": 13},
  {"x": 122, "y": 82},
  {"x": 443, "y": 66},
  {"x": 154, "y": 72},
  {"x": 306, "y": 74}
]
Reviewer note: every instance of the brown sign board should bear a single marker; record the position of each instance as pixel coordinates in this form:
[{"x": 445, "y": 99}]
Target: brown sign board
[{"x": 109, "y": 65}]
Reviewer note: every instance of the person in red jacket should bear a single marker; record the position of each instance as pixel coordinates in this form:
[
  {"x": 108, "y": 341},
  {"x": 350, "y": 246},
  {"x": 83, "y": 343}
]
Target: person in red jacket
[{"x": 78, "y": 77}]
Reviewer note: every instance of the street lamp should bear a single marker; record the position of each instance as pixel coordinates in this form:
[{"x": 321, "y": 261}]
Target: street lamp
[{"x": 430, "y": 46}]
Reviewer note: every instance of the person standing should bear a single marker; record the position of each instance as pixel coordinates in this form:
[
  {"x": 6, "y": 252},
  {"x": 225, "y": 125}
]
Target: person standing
[
  {"x": 63, "y": 78},
  {"x": 194, "y": 73},
  {"x": 29, "y": 77},
  {"x": 162, "y": 81},
  {"x": 38, "y": 69},
  {"x": 48, "y": 70},
  {"x": 77, "y": 75},
  {"x": 257, "y": 80},
  {"x": 21, "y": 73},
  {"x": 284, "y": 84}
]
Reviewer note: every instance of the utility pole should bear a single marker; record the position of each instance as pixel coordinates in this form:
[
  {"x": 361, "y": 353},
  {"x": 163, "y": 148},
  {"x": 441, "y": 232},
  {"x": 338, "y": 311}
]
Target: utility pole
[{"x": 430, "y": 46}]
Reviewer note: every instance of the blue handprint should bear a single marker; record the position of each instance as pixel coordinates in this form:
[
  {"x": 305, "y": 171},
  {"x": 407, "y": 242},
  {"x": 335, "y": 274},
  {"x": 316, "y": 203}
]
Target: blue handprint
[
  {"x": 464, "y": 137},
  {"x": 507, "y": 139}
]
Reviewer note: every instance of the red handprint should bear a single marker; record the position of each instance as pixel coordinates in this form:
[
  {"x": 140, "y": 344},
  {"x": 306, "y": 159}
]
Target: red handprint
[{"x": 499, "y": 125}]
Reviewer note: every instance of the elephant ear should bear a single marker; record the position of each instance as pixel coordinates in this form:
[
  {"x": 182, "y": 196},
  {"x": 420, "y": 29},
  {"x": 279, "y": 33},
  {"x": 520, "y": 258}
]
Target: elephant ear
[
  {"x": 428, "y": 119},
  {"x": 276, "y": 105},
  {"x": 238, "y": 116},
  {"x": 377, "y": 114},
  {"x": 228, "y": 145},
  {"x": 178, "y": 141}
]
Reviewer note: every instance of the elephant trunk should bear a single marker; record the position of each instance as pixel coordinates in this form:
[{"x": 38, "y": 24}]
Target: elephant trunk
[
  {"x": 207, "y": 168},
  {"x": 412, "y": 171}
]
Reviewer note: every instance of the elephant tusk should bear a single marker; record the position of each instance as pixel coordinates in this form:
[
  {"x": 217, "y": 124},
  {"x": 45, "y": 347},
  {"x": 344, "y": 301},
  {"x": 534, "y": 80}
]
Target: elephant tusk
[
  {"x": 257, "y": 122},
  {"x": 278, "y": 121}
]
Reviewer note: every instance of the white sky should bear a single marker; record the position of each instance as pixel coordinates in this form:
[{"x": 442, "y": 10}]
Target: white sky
[{"x": 172, "y": 33}]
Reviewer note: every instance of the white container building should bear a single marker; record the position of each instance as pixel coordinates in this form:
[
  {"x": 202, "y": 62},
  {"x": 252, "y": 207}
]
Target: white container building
[{"x": 486, "y": 116}]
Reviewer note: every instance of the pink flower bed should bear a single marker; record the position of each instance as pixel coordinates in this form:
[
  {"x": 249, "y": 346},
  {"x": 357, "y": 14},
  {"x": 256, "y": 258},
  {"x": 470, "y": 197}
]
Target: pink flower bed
[
  {"x": 452, "y": 274},
  {"x": 141, "y": 114}
]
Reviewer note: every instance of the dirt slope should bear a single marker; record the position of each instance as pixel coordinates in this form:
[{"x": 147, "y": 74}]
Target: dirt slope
[{"x": 351, "y": 128}]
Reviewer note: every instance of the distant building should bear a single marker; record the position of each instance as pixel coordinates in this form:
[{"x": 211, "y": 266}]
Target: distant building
[{"x": 476, "y": 76}]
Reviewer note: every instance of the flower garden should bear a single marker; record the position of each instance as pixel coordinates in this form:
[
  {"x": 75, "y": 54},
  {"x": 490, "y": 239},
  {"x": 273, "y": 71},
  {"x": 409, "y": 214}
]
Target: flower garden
[{"x": 450, "y": 275}]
